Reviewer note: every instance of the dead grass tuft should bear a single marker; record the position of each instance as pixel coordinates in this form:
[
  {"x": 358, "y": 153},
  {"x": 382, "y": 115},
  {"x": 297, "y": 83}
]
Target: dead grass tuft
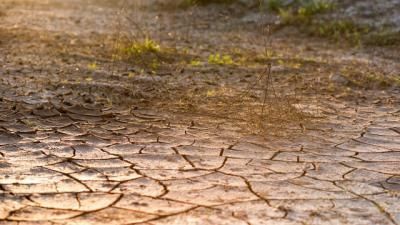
[{"x": 257, "y": 109}]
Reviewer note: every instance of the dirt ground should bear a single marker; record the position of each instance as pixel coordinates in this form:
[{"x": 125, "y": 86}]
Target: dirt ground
[{"x": 91, "y": 136}]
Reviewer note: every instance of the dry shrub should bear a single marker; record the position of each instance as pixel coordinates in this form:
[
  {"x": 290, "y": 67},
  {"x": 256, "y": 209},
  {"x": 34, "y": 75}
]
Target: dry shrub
[{"x": 258, "y": 109}]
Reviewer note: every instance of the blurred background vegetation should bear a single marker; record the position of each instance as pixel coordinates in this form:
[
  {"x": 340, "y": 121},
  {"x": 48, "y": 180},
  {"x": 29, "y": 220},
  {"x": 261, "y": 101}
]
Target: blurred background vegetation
[{"x": 332, "y": 19}]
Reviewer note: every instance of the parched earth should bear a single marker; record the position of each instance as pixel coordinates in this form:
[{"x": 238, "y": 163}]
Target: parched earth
[{"x": 84, "y": 145}]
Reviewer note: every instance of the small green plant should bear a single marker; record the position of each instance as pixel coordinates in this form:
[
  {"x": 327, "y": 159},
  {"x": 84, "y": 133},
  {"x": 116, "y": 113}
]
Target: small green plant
[
  {"x": 288, "y": 17},
  {"x": 92, "y": 66},
  {"x": 146, "y": 53},
  {"x": 310, "y": 8},
  {"x": 195, "y": 63},
  {"x": 305, "y": 11},
  {"x": 142, "y": 47},
  {"x": 339, "y": 30},
  {"x": 220, "y": 59}
]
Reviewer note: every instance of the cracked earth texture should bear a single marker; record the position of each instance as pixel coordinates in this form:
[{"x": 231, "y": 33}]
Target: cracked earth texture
[{"x": 79, "y": 163}]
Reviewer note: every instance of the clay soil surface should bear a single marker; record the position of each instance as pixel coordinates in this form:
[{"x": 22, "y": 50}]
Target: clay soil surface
[{"x": 220, "y": 117}]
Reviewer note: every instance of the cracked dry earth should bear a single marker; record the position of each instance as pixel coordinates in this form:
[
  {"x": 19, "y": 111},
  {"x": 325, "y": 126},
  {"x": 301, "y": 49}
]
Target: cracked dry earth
[{"x": 75, "y": 162}]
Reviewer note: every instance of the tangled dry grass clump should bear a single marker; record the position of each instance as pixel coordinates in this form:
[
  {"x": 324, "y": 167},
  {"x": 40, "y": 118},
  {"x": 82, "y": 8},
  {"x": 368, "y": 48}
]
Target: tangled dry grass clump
[{"x": 257, "y": 108}]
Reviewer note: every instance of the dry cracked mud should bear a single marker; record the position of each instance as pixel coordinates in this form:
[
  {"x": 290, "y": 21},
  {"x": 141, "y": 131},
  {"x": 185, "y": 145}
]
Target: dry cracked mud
[{"x": 65, "y": 159}]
